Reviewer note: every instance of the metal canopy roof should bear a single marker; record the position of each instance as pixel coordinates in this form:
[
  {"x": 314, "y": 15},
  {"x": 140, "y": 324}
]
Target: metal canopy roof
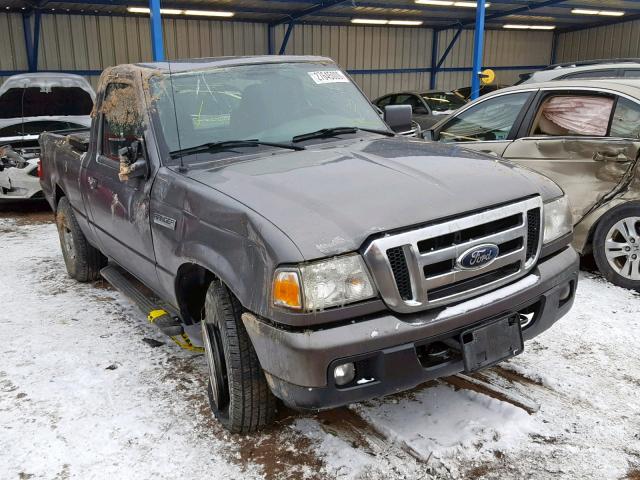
[{"x": 336, "y": 12}]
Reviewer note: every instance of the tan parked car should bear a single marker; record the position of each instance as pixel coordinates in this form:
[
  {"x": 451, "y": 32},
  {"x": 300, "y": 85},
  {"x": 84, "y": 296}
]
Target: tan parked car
[{"x": 585, "y": 135}]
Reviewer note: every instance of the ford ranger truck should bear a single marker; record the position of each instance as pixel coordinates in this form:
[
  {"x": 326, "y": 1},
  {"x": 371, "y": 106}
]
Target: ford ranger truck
[{"x": 263, "y": 203}]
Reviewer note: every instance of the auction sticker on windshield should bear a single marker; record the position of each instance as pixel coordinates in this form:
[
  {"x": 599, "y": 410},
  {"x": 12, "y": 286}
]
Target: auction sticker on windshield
[{"x": 328, "y": 76}]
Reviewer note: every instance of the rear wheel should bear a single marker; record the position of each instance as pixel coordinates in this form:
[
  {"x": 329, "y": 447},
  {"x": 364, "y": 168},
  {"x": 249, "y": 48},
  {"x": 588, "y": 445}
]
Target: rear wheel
[
  {"x": 238, "y": 392},
  {"x": 616, "y": 246},
  {"x": 83, "y": 261}
]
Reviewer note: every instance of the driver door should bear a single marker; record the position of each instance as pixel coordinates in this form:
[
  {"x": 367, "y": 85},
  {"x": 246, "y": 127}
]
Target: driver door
[
  {"x": 487, "y": 126},
  {"x": 120, "y": 208}
]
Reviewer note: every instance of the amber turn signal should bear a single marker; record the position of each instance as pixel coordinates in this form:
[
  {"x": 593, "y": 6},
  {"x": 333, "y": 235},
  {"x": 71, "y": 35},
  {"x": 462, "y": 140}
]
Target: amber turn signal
[{"x": 286, "y": 290}]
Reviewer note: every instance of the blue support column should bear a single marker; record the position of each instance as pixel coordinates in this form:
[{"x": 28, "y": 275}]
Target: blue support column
[
  {"x": 31, "y": 39},
  {"x": 270, "y": 40},
  {"x": 285, "y": 40},
  {"x": 434, "y": 59},
  {"x": 157, "y": 42},
  {"x": 28, "y": 40},
  {"x": 478, "y": 45},
  {"x": 554, "y": 48}
]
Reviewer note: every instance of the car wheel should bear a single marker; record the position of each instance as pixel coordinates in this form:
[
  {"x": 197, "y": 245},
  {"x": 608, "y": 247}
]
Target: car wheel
[
  {"x": 83, "y": 261},
  {"x": 238, "y": 392},
  {"x": 616, "y": 246}
]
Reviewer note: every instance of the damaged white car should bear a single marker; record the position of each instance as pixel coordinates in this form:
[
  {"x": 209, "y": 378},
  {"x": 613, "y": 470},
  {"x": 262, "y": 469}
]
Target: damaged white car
[{"x": 30, "y": 104}]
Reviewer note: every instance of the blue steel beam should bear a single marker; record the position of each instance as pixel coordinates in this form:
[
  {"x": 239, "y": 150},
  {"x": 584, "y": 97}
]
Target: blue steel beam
[
  {"x": 308, "y": 11},
  {"x": 285, "y": 40},
  {"x": 478, "y": 45},
  {"x": 554, "y": 48},
  {"x": 157, "y": 42},
  {"x": 515, "y": 11},
  {"x": 270, "y": 40},
  {"x": 452, "y": 43},
  {"x": 31, "y": 38},
  {"x": 434, "y": 55}
]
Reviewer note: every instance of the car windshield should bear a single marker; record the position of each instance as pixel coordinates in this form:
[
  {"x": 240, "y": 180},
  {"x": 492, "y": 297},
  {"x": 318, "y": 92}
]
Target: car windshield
[
  {"x": 443, "y": 101},
  {"x": 266, "y": 102}
]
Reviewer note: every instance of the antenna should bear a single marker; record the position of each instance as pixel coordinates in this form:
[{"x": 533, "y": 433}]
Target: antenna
[{"x": 181, "y": 168}]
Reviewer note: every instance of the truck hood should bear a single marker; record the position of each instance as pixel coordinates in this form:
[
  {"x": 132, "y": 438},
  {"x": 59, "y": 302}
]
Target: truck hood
[
  {"x": 45, "y": 94},
  {"x": 331, "y": 197}
]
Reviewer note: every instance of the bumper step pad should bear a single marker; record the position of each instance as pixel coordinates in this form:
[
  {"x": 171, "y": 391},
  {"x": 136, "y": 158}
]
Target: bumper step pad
[{"x": 162, "y": 316}]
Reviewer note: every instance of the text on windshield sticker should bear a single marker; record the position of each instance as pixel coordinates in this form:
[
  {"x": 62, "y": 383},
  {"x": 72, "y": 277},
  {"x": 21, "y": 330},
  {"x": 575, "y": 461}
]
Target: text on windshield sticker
[{"x": 328, "y": 76}]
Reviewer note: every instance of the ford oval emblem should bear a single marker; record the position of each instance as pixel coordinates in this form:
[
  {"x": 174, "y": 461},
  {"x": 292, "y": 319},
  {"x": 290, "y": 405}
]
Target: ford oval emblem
[{"x": 478, "y": 256}]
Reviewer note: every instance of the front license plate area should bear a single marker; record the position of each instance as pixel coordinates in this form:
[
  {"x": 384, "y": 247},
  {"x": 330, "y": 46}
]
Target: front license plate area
[{"x": 489, "y": 344}]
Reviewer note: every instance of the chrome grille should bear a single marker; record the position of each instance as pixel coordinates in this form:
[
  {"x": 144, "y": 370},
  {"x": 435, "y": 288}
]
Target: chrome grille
[{"x": 418, "y": 269}]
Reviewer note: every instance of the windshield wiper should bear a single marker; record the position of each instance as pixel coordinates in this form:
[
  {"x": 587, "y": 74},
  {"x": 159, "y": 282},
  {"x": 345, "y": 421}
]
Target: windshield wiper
[
  {"x": 230, "y": 144},
  {"x": 335, "y": 131}
]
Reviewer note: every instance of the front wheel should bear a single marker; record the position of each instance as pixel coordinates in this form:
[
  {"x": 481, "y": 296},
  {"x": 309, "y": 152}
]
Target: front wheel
[
  {"x": 239, "y": 395},
  {"x": 616, "y": 246}
]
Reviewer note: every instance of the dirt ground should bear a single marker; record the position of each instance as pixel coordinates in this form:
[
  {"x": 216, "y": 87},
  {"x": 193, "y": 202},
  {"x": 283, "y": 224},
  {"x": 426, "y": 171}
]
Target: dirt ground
[{"x": 89, "y": 390}]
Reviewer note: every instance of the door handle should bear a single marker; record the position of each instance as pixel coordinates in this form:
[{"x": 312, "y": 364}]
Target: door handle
[
  {"x": 93, "y": 183},
  {"x": 617, "y": 157}
]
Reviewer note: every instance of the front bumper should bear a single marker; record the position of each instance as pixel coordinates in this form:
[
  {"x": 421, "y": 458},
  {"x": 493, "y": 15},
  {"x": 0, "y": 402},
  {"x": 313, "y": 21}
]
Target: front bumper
[{"x": 390, "y": 348}]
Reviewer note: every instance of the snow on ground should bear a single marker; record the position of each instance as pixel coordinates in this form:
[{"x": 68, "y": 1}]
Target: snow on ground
[{"x": 83, "y": 396}]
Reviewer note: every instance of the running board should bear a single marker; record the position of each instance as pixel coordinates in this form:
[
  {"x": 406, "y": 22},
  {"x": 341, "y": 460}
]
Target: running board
[{"x": 161, "y": 315}]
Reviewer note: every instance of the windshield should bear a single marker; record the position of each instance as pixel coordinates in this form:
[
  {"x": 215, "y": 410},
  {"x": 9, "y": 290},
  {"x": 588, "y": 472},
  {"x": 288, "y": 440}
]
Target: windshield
[
  {"x": 267, "y": 102},
  {"x": 443, "y": 101}
]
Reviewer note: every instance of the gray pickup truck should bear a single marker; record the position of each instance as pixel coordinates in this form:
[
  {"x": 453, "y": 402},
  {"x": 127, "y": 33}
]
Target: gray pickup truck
[{"x": 263, "y": 203}]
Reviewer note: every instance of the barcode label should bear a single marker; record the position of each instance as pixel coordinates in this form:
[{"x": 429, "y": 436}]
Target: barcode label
[{"x": 328, "y": 76}]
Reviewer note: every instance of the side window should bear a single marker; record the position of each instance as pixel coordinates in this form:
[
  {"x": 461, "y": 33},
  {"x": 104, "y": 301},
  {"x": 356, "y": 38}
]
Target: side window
[
  {"x": 384, "y": 101},
  {"x": 626, "y": 120},
  {"x": 121, "y": 118},
  {"x": 407, "y": 99},
  {"x": 570, "y": 115},
  {"x": 611, "y": 73},
  {"x": 632, "y": 73},
  {"x": 491, "y": 119}
]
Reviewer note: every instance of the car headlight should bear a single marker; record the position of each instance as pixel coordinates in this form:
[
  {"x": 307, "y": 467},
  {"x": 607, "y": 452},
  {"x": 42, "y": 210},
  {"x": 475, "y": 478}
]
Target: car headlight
[
  {"x": 323, "y": 284},
  {"x": 557, "y": 219}
]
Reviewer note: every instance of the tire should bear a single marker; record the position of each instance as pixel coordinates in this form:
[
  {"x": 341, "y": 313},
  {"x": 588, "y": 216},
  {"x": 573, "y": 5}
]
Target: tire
[
  {"x": 616, "y": 246},
  {"x": 83, "y": 261},
  {"x": 239, "y": 395}
]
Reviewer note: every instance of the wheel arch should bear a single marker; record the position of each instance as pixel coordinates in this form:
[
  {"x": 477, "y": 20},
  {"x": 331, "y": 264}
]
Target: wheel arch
[
  {"x": 191, "y": 284},
  {"x": 586, "y": 228},
  {"x": 58, "y": 193}
]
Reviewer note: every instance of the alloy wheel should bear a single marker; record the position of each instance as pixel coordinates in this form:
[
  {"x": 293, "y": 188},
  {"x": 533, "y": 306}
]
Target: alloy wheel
[{"x": 622, "y": 247}]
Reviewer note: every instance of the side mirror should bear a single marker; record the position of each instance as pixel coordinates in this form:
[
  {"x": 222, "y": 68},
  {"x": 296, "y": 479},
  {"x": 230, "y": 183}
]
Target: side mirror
[
  {"x": 132, "y": 162},
  {"x": 420, "y": 110},
  {"x": 398, "y": 117}
]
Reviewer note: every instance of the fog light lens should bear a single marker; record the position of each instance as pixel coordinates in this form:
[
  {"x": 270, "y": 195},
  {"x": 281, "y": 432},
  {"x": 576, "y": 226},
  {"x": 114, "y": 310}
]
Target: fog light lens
[
  {"x": 565, "y": 293},
  {"x": 344, "y": 374}
]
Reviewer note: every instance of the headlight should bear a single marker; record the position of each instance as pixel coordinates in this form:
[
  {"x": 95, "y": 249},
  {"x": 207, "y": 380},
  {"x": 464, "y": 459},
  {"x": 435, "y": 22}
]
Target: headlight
[
  {"x": 557, "y": 219},
  {"x": 323, "y": 284}
]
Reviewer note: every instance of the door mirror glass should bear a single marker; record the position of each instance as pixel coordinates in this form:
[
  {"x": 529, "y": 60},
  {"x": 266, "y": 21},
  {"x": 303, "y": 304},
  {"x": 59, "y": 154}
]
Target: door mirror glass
[
  {"x": 132, "y": 162},
  {"x": 487, "y": 120},
  {"x": 398, "y": 117},
  {"x": 420, "y": 110}
]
